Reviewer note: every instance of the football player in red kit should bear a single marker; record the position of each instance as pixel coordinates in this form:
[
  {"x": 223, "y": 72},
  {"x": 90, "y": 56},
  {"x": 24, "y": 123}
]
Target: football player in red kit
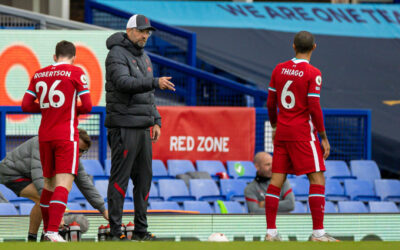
[
  {"x": 295, "y": 89},
  {"x": 57, "y": 87}
]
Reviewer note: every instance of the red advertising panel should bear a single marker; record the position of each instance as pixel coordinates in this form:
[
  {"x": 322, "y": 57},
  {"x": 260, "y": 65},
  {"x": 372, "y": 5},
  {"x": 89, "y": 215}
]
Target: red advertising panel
[{"x": 206, "y": 133}]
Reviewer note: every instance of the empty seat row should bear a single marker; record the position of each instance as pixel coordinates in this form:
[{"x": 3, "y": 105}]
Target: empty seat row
[
  {"x": 201, "y": 206},
  {"x": 351, "y": 207},
  {"x": 235, "y": 169},
  {"x": 227, "y": 207},
  {"x": 361, "y": 190},
  {"x": 176, "y": 190}
]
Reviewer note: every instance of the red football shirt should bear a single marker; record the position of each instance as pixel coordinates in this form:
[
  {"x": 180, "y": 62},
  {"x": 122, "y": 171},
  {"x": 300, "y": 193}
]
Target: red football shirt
[
  {"x": 57, "y": 88},
  {"x": 293, "y": 84}
]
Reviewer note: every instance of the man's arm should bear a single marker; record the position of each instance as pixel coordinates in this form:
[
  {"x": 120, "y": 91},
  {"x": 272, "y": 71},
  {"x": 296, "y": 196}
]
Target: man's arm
[
  {"x": 28, "y": 103},
  {"x": 36, "y": 166},
  {"x": 157, "y": 116},
  {"x": 85, "y": 185},
  {"x": 86, "y": 105},
  {"x": 118, "y": 70},
  {"x": 314, "y": 108},
  {"x": 286, "y": 202},
  {"x": 250, "y": 194},
  {"x": 272, "y": 105}
]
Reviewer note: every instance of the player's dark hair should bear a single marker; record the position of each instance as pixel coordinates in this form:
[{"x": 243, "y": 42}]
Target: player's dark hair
[
  {"x": 304, "y": 42},
  {"x": 83, "y": 135},
  {"x": 65, "y": 49}
]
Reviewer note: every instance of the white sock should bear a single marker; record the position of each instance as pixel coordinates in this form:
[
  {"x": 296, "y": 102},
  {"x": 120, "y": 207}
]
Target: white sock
[
  {"x": 319, "y": 232},
  {"x": 272, "y": 232}
]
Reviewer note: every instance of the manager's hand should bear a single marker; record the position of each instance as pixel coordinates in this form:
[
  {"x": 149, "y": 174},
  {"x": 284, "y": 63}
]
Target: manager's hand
[
  {"x": 164, "y": 83},
  {"x": 156, "y": 132}
]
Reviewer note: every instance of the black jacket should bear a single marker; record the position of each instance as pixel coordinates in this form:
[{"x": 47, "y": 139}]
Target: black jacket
[{"x": 130, "y": 85}]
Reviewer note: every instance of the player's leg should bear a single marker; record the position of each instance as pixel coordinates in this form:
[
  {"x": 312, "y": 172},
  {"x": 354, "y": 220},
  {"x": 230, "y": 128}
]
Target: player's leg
[
  {"x": 47, "y": 160},
  {"x": 142, "y": 176},
  {"x": 280, "y": 166},
  {"x": 66, "y": 155},
  {"x": 35, "y": 217},
  {"x": 309, "y": 161},
  {"x": 123, "y": 152}
]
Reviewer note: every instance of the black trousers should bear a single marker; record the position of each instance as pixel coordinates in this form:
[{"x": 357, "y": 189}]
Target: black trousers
[{"x": 131, "y": 157}]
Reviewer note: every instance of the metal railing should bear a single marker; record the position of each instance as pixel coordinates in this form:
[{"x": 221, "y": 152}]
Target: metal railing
[{"x": 13, "y": 18}]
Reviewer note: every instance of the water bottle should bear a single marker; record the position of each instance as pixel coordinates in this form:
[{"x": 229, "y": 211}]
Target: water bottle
[
  {"x": 101, "y": 236},
  {"x": 129, "y": 230},
  {"x": 74, "y": 231},
  {"x": 123, "y": 229},
  {"x": 108, "y": 232}
]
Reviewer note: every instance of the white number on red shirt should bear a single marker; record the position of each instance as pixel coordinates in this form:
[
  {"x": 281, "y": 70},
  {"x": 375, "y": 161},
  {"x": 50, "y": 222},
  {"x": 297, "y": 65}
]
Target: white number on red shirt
[
  {"x": 286, "y": 92},
  {"x": 53, "y": 92}
]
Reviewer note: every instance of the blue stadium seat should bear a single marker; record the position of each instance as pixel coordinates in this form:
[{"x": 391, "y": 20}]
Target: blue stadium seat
[
  {"x": 75, "y": 194},
  {"x": 88, "y": 206},
  {"x": 330, "y": 208},
  {"x": 301, "y": 188},
  {"x": 360, "y": 190},
  {"x": 174, "y": 190},
  {"x": 201, "y": 206},
  {"x": 154, "y": 194},
  {"x": 299, "y": 208},
  {"x": 383, "y": 207},
  {"x": 365, "y": 170},
  {"x": 211, "y": 167},
  {"x": 337, "y": 170},
  {"x": 74, "y": 206},
  {"x": 11, "y": 196},
  {"x": 25, "y": 208},
  {"x": 205, "y": 190},
  {"x": 388, "y": 190},
  {"x": 128, "y": 205},
  {"x": 334, "y": 191},
  {"x": 93, "y": 168},
  {"x": 233, "y": 207},
  {"x": 159, "y": 170},
  {"x": 108, "y": 167},
  {"x": 233, "y": 189},
  {"x": 241, "y": 169},
  {"x": 102, "y": 186},
  {"x": 164, "y": 205},
  {"x": 176, "y": 167},
  {"x": 352, "y": 207},
  {"x": 8, "y": 209}
]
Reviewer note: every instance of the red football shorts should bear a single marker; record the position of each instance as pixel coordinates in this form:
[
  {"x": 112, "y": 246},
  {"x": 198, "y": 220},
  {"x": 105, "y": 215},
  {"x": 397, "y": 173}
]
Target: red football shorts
[
  {"x": 59, "y": 157},
  {"x": 297, "y": 157}
]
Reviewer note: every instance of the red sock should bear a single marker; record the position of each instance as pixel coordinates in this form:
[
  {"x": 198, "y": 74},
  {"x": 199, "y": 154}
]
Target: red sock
[
  {"x": 58, "y": 204},
  {"x": 316, "y": 199},
  {"x": 271, "y": 205},
  {"x": 44, "y": 207}
]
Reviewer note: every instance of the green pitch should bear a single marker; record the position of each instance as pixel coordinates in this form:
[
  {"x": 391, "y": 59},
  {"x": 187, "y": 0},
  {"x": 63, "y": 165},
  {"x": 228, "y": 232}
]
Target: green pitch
[{"x": 201, "y": 245}]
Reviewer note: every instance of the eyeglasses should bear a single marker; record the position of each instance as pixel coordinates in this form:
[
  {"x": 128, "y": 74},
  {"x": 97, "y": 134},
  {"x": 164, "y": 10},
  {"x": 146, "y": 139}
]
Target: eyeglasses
[{"x": 82, "y": 151}]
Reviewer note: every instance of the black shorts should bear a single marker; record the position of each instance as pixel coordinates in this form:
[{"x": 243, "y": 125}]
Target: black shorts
[{"x": 18, "y": 185}]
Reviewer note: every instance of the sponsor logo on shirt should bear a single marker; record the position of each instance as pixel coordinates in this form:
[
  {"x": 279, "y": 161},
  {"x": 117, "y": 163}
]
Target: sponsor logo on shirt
[
  {"x": 83, "y": 79},
  {"x": 318, "y": 80}
]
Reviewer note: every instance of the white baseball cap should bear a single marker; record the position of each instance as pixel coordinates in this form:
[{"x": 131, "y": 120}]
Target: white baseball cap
[{"x": 139, "y": 22}]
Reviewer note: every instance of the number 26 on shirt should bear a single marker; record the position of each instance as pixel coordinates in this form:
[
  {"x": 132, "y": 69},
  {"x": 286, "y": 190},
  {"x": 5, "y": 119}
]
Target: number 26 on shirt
[{"x": 52, "y": 93}]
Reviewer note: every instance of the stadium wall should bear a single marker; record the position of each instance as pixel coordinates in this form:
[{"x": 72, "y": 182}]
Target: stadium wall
[{"x": 292, "y": 227}]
